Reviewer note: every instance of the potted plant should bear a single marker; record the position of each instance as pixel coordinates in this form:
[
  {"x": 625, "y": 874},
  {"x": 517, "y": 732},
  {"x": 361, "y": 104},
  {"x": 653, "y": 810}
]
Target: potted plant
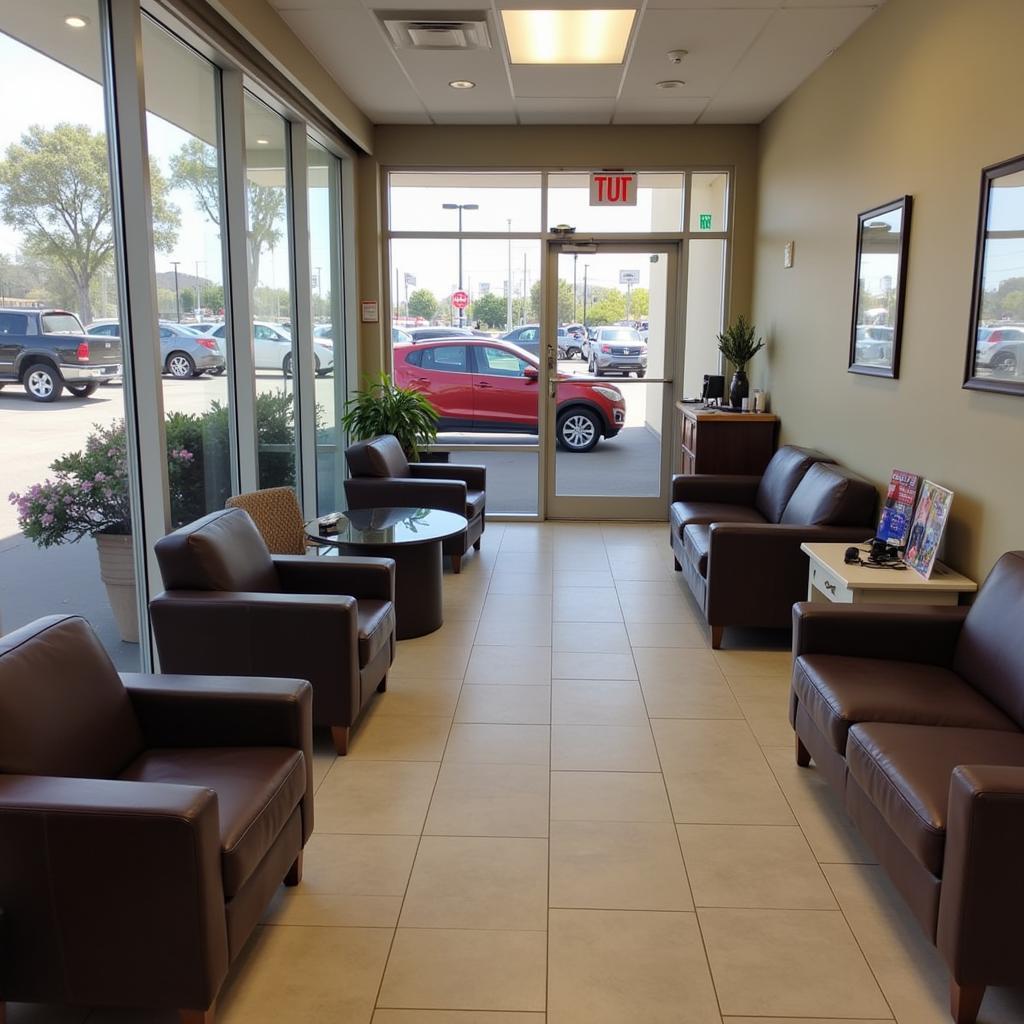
[
  {"x": 382, "y": 407},
  {"x": 738, "y": 344}
]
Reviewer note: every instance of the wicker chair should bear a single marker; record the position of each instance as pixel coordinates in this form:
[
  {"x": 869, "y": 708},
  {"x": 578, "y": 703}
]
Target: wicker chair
[{"x": 277, "y": 516}]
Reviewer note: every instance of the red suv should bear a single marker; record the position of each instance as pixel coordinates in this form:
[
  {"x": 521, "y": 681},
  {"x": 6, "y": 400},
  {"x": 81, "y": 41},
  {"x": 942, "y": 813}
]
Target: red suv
[{"x": 477, "y": 384}]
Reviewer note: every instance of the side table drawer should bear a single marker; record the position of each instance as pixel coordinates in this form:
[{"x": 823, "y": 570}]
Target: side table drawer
[{"x": 831, "y": 586}]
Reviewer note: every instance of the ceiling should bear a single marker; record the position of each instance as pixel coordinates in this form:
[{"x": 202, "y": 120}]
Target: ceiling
[{"x": 744, "y": 58}]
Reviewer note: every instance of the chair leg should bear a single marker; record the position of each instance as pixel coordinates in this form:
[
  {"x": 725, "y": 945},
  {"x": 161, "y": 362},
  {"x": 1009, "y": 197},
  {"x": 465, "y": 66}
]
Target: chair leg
[
  {"x": 716, "y": 636},
  {"x": 456, "y": 564},
  {"x": 803, "y": 755},
  {"x": 965, "y": 1001},
  {"x": 194, "y": 1016},
  {"x": 382, "y": 685},
  {"x": 294, "y": 875},
  {"x": 339, "y": 734},
  {"x": 477, "y": 543}
]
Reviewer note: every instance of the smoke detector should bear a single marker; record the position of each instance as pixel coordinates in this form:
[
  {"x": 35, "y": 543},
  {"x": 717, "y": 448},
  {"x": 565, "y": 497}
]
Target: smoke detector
[
  {"x": 676, "y": 56},
  {"x": 436, "y": 30}
]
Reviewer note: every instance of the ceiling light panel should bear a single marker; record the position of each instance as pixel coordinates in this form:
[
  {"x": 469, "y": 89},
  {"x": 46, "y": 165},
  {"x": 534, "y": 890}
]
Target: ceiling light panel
[{"x": 567, "y": 36}]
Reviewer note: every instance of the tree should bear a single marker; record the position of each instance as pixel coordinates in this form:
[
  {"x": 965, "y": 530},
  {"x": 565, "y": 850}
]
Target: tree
[
  {"x": 194, "y": 167},
  {"x": 55, "y": 188},
  {"x": 423, "y": 303},
  {"x": 491, "y": 310}
]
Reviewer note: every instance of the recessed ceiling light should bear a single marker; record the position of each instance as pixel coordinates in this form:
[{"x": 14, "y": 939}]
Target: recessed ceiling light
[
  {"x": 568, "y": 37},
  {"x": 462, "y": 83},
  {"x": 263, "y": 142},
  {"x": 76, "y": 21},
  {"x": 670, "y": 83}
]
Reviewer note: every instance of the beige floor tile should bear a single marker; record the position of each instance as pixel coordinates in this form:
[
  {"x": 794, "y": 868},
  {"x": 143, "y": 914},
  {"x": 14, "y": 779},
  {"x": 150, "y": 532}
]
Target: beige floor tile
[
  {"x": 307, "y": 974},
  {"x": 760, "y": 866},
  {"x": 791, "y": 1020},
  {"x": 617, "y": 865},
  {"x": 517, "y": 607},
  {"x": 608, "y": 796},
  {"x": 542, "y": 561},
  {"x": 457, "y": 1017},
  {"x": 760, "y": 695},
  {"x": 496, "y": 631},
  {"x": 774, "y": 731},
  {"x": 431, "y": 698},
  {"x": 475, "y": 743},
  {"x": 597, "y": 702},
  {"x": 461, "y": 882},
  {"x": 457, "y": 633},
  {"x": 507, "y": 705},
  {"x": 676, "y": 698},
  {"x": 324, "y": 756},
  {"x": 490, "y": 800},
  {"x": 755, "y": 663},
  {"x": 462, "y": 607},
  {"x": 525, "y": 583},
  {"x": 292, "y": 907},
  {"x": 375, "y": 797},
  {"x": 582, "y": 637},
  {"x": 716, "y": 774},
  {"x": 357, "y": 865},
  {"x": 587, "y": 556},
  {"x": 592, "y": 665},
  {"x": 523, "y": 666},
  {"x": 667, "y": 634},
  {"x": 788, "y": 963},
  {"x": 603, "y": 748},
  {"x": 399, "y": 738},
  {"x": 566, "y": 579},
  {"x": 431, "y": 661},
  {"x": 610, "y": 967},
  {"x": 593, "y": 605},
  {"x": 471, "y": 970},
  {"x": 665, "y": 609},
  {"x": 675, "y": 587},
  {"x": 661, "y": 664}
]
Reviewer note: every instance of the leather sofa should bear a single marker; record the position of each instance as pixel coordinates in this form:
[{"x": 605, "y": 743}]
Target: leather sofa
[
  {"x": 916, "y": 718},
  {"x": 380, "y": 476},
  {"x": 737, "y": 539},
  {"x": 145, "y": 822},
  {"x": 231, "y": 608}
]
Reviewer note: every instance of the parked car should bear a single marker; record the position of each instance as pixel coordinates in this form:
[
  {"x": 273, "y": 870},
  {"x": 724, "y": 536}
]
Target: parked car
[
  {"x": 616, "y": 350},
  {"x": 492, "y": 386},
  {"x": 398, "y": 336},
  {"x": 526, "y": 337},
  {"x": 873, "y": 343},
  {"x": 47, "y": 350},
  {"x": 183, "y": 352},
  {"x": 1002, "y": 359},
  {"x": 272, "y": 348},
  {"x": 205, "y": 327},
  {"x": 433, "y": 333}
]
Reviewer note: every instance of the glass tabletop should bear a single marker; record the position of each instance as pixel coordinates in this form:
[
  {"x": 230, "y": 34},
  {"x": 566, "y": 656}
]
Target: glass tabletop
[{"x": 385, "y": 526}]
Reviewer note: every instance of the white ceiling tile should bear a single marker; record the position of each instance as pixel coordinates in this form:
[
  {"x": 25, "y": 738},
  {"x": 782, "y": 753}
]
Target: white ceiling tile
[
  {"x": 455, "y": 117},
  {"x": 684, "y": 110},
  {"x": 576, "y": 82},
  {"x": 431, "y": 70},
  {"x": 714, "y": 5},
  {"x": 565, "y": 111}
]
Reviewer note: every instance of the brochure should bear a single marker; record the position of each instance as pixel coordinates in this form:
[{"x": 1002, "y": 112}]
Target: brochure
[
  {"x": 898, "y": 510},
  {"x": 926, "y": 531}
]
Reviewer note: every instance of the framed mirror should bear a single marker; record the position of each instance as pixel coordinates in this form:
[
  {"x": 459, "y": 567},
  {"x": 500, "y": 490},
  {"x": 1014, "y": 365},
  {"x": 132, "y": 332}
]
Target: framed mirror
[
  {"x": 880, "y": 282},
  {"x": 995, "y": 343}
]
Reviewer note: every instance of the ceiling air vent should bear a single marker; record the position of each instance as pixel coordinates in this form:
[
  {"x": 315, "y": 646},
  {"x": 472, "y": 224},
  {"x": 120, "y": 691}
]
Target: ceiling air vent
[{"x": 447, "y": 30}]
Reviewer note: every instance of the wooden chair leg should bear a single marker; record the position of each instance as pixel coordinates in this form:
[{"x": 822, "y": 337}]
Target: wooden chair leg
[
  {"x": 194, "y": 1016},
  {"x": 716, "y": 636},
  {"x": 965, "y": 1002},
  {"x": 294, "y": 875},
  {"x": 339, "y": 734},
  {"x": 382, "y": 685},
  {"x": 803, "y": 755},
  {"x": 456, "y": 564},
  {"x": 477, "y": 543}
]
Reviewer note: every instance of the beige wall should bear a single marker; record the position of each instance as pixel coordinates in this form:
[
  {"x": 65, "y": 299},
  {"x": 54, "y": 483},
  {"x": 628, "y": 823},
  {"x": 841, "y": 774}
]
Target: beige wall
[
  {"x": 918, "y": 101},
  {"x": 571, "y": 146}
]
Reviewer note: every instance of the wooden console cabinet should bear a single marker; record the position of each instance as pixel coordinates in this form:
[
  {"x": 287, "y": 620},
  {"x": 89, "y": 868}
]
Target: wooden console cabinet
[{"x": 718, "y": 441}]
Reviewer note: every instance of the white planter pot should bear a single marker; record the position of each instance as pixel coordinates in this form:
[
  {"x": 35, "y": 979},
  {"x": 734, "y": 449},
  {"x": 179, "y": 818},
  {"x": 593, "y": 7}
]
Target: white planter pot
[{"x": 117, "y": 570}]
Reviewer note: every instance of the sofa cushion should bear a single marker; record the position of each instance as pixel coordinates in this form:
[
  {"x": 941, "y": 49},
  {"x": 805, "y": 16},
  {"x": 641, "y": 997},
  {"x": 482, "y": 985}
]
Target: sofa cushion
[
  {"x": 381, "y": 457},
  {"x": 683, "y": 513},
  {"x": 257, "y": 790},
  {"x": 831, "y": 495},
  {"x": 376, "y": 623},
  {"x": 696, "y": 541},
  {"x": 781, "y": 477},
  {"x": 839, "y": 691},
  {"x": 475, "y": 502},
  {"x": 989, "y": 654},
  {"x": 905, "y": 771}
]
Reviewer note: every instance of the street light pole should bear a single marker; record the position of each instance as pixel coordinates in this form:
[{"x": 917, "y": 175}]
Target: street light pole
[
  {"x": 508, "y": 281},
  {"x": 177, "y": 299},
  {"x": 586, "y": 268},
  {"x": 460, "y": 207}
]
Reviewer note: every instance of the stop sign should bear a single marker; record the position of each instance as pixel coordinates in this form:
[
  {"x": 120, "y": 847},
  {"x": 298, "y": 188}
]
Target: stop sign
[{"x": 460, "y": 300}]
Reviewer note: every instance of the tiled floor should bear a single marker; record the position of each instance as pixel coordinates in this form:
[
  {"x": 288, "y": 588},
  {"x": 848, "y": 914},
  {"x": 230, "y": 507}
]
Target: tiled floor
[{"x": 567, "y": 808}]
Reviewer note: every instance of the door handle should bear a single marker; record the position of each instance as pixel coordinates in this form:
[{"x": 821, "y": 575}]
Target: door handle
[
  {"x": 553, "y": 388},
  {"x": 484, "y": 384},
  {"x": 422, "y": 380}
]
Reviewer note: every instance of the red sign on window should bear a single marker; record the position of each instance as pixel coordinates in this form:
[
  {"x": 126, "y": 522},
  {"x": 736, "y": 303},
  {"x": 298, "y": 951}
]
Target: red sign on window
[
  {"x": 613, "y": 188},
  {"x": 460, "y": 300}
]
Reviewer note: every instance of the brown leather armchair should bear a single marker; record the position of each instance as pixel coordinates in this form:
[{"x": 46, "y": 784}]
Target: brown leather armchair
[
  {"x": 382, "y": 477},
  {"x": 231, "y": 608},
  {"x": 145, "y": 822},
  {"x": 915, "y": 716}
]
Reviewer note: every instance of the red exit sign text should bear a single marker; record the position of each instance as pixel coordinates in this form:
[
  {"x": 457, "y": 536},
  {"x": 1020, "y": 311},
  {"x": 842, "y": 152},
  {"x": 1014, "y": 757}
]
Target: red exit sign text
[{"x": 613, "y": 188}]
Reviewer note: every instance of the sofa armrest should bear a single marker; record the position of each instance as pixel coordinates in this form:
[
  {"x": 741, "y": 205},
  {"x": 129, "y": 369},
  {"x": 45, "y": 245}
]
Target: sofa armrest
[
  {"x": 406, "y": 492},
  {"x": 894, "y": 632},
  {"x": 982, "y": 902},
  {"x": 111, "y": 886},
  {"x": 717, "y": 487},
  {"x": 474, "y": 477},
  {"x": 355, "y": 576}
]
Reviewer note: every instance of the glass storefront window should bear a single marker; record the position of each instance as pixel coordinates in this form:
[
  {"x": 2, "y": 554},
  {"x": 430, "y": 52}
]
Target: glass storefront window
[
  {"x": 491, "y": 201},
  {"x": 709, "y": 201},
  {"x": 705, "y": 312},
  {"x": 659, "y": 205}
]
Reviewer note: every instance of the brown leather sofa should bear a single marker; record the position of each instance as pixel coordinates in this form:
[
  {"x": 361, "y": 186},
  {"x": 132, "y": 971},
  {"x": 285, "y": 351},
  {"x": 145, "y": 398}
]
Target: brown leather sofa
[
  {"x": 737, "y": 538},
  {"x": 380, "y": 476},
  {"x": 145, "y": 822},
  {"x": 231, "y": 608},
  {"x": 916, "y": 717}
]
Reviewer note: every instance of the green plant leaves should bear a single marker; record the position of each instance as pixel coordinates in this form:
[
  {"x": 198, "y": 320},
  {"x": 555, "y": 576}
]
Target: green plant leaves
[{"x": 381, "y": 407}]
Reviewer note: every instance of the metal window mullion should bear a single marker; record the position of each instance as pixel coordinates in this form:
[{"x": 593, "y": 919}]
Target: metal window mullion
[
  {"x": 149, "y": 495},
  {"x": 237, "y": 291},
  {"x": 297, "y": 177},
  {"x": 343, "y": 307}
]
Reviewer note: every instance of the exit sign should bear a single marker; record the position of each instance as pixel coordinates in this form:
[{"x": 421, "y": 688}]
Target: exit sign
[
  {"x": 613, "y": 188},
  {"x": 705, "y": 222}
]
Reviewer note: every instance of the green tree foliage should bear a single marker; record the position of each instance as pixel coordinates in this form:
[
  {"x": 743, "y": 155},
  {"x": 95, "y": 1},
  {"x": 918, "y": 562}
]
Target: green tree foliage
[
  {"x": 55, "y": 189},
  {"x": 491, "y": 310},
  {"x": 423, "y": 303}
]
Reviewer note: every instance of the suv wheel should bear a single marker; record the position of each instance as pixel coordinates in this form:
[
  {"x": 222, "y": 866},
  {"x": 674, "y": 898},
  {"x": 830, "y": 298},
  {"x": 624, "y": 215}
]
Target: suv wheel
[
  {"x": 82, "y": 390},
  {"x": 1005, "y": 362},
  {"x": 286, "y": 366},
  {"x": 573, "y": 352},
  {"x": 42, "y": 383},
  {"x": 180, "y": 365},
  {"x": 579, "y": 430}
]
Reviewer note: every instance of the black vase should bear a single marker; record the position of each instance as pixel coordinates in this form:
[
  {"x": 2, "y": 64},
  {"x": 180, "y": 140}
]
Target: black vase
[{"x": 738, "y": 389}]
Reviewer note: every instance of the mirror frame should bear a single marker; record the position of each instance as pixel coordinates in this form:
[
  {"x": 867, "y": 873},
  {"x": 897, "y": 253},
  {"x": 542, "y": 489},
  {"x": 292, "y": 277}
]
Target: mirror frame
[
  {"x": 904, "y": 203},
  {"x": 971, "y": 381}
]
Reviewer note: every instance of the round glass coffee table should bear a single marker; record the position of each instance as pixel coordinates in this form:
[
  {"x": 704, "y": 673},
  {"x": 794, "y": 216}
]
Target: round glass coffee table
[{"x": 412, "y": 537}]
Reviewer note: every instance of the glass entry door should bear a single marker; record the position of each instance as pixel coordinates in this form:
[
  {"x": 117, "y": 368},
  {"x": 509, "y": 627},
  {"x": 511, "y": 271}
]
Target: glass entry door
[{"x": 611, "y": 331}]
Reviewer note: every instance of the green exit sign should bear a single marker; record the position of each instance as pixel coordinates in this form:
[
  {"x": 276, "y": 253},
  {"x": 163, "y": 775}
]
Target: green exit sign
[{"x": 705, "y": 222}]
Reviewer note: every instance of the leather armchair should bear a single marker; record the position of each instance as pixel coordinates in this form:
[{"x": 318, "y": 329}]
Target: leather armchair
[
  {"x": 380, "y": 476},
  {"x": 231, "y": 608},
  {"x": 145, "y": 822}
]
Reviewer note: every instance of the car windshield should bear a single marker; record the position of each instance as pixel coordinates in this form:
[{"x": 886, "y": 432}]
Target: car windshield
[
  {"x": 60, "y": 323},
  {"x": 619, "y": 334}
]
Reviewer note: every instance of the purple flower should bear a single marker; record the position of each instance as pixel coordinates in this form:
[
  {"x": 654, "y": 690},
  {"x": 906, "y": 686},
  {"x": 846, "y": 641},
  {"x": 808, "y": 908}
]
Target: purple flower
[
  {"x": 47, "y": 519},
  {"x": 13, "y": 497},
  {"x": 87, "y": 486},
  {"x": 100, "y": 477},
  {"x": 68, "y": 499},
  {"x": 49, "y": 506}
]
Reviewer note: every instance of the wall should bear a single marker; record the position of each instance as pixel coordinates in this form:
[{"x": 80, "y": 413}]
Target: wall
[
  {"x": 553, "y": 146},
  {"x": 918, "y": 101}
]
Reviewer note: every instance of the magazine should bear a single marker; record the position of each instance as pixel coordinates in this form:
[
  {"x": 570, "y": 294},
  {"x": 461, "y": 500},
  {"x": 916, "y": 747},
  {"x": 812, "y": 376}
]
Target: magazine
[
  {"x": 898, "y": 510},
  {"x": 926, "y": 531}
]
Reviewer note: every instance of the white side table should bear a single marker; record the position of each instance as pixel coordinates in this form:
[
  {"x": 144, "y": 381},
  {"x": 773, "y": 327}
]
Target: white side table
[{"x": 830, "y": 579}]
